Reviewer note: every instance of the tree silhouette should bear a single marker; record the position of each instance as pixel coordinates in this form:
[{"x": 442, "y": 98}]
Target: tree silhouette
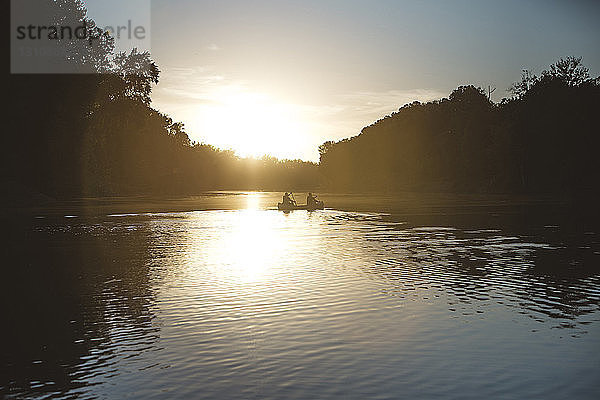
[
  {"x": 95, "y": 134},
  {"x": 138, "y": 72},
  {"x": 542, "y": 140},
  {"x": 570, "y": 70}
]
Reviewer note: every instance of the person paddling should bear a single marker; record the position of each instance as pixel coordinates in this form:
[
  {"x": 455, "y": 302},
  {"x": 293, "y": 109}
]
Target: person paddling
[
  {"x": 311, "y": 200},
  {"x": 287, "y": 199}
]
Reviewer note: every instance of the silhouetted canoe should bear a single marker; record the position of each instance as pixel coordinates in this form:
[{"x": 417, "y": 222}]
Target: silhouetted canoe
[{"x": 289, "y": 207}]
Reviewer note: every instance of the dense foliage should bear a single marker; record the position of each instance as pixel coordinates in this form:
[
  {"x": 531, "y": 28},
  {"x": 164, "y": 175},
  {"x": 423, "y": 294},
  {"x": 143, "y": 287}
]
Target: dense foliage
[
  {"x": 96, "y": 134},
  {"x": 542, "y": 140}
]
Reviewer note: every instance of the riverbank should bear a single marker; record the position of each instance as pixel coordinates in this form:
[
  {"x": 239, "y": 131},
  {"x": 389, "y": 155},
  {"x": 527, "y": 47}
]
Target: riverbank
[{"x": 434, "y": 204}]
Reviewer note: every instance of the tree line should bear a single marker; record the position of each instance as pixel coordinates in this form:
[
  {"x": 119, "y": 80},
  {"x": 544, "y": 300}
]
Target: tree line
[
  {"x": 542, "y": 140},
  {"x": 95, "y": 134}
]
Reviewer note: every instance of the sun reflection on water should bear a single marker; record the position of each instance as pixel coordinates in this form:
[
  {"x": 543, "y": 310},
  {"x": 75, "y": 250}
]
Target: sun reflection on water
[
  {"x": 247, "y": 248},
  {"x": 252, "y": 200},
  {"x": 252, "y": 248}
]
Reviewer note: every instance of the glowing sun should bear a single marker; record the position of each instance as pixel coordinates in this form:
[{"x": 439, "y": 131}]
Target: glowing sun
[{"x": 253, "y": 124}]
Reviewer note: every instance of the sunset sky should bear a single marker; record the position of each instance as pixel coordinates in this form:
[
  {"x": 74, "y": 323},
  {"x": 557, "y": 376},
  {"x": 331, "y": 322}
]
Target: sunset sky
[{"x": 282, "y": 77}]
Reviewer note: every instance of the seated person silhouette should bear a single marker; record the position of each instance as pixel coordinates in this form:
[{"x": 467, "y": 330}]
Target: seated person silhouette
[
  {"x": 287, "y": 200},
  {"x": 311, "y": 200}
]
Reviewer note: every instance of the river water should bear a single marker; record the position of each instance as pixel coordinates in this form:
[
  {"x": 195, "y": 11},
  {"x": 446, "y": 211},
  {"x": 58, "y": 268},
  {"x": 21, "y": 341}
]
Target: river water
[{"x": 253, "y": 303}]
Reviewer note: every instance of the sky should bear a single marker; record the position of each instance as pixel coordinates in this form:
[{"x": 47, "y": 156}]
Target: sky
[{"x": 282, "y": 77}]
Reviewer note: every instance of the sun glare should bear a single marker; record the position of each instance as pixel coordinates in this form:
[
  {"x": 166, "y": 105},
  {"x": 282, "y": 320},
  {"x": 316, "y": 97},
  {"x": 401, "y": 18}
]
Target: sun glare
[
  {"x": 252, "y": 201},
  {"x": 251, "y": 249},
  {"x": 253, "y": 124}
]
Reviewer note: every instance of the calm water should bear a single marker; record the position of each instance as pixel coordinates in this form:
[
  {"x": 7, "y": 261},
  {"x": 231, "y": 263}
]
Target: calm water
[{"x": 255, "y": 303}]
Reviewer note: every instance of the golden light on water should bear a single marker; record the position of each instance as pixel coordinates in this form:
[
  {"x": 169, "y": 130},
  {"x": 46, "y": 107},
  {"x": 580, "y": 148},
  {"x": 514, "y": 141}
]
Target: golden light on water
[
  {"x": 252, "y": 201},
  {"x": 248, "y": 248},
  {"x": 257, "y": 247}
]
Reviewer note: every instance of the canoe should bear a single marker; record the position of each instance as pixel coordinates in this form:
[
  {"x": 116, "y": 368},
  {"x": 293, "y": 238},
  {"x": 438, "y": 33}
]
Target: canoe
[{"x": 290, "y": 207}]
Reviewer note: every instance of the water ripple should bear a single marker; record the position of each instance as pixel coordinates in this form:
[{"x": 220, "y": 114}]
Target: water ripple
[{"x": 331, "y": 304}]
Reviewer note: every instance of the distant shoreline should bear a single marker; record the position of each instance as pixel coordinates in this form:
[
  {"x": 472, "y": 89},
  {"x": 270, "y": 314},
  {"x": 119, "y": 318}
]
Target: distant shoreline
[{"x": 410, "y": 203}]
